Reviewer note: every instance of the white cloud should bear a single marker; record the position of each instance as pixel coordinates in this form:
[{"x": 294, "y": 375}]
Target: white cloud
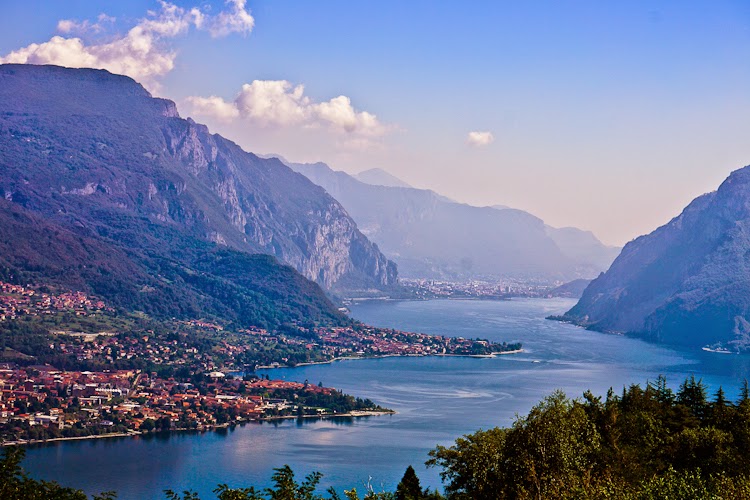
[
  {"x": 480, "y": 139},
  {"x": 215, "y": 107},
  {"x": 238, "y": 20},
  {"x": 143, "y": 53},
  {"x": 72, "y": 26},
  {"x": 340, "y": 113},
  {"x": 68, "y": 25},
  {"x": 279, "y": 103},
  {"x": 274, "y": 102}
]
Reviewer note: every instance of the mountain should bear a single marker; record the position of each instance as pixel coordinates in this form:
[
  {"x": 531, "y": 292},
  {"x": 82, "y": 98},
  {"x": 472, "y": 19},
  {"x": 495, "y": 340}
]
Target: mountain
[
  {"x": 430, "y": 236},
  {"x": 573, "y": 289},
  {"x": 379, "y": 177},
  {"x": 80, "y": 147},
  {"x": 582, "y": 247},
  {"x": 136, "y": 265},
  {"x": 686, "y": 283}
]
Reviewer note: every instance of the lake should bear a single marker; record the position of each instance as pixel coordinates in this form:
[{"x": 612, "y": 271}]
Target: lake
[{"x": 437, "y": 400}]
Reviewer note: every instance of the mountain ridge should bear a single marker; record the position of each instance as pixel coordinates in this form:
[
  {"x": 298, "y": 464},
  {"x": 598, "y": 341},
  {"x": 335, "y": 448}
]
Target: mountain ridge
[
  {"x": 431, "y": 236},
  {"x": 687, "y": 282},
  {"x": 109, "y": 144},
  {"x": 379, "y": 177}
]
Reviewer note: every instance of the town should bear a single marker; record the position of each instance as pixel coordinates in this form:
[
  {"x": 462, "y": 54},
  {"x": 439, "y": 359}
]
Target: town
[
  {"x": 39, "y": 403},
  {"x": 72, "y": 367},
  {"x": 498, "y": 289},
  {"x": 87, "y": 334}
]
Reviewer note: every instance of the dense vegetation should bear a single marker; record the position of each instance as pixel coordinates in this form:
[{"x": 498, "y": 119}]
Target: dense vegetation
[
  {"x": 136, "y": 265},
  {"x": 15, "y": 484},
  {"x": 308, "y": 402},
  {"x": 28, "y": 341},
  {"x": 645, "y": 443}
]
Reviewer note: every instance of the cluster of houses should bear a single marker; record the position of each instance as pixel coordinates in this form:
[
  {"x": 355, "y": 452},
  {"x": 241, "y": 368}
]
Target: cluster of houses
[
  {"x": 108, "y": 348},
  {"x": 370, "y": 341},
  {"x": 17, "y": 300},
  {"x": 42, "y": 396},
  {"x": 429, "y": 288}
]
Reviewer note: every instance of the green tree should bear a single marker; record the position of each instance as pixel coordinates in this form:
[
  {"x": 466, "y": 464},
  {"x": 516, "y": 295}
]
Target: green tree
[
  {"x": 287, "y": 488},
  {"x": 16, "y": 485},
  {"x": 148, "y": 425},
  {"x": 472, "y": 467},
  {"x": 552, "y": 450},
  {"x": 693, "y": 395},
  {"x": 409, "y": 487}
]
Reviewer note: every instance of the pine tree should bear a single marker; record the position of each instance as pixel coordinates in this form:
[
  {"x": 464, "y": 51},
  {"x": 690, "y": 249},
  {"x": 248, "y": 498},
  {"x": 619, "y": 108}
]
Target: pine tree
[
  {"x": 692, "y": 394},
  {"x": 409, "y": 487},
  {"x": 744, "y": 395},
  {"x": 663, "y": 393},
  {"x": 722, "y": 411}
]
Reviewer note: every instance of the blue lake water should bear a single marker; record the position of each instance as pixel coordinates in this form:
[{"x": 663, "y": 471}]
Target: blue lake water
[{"x": 437, "y": 400}]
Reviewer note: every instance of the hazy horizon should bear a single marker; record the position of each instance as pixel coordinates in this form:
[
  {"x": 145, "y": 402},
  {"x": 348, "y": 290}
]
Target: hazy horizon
[{"x": 606, "y": 117}]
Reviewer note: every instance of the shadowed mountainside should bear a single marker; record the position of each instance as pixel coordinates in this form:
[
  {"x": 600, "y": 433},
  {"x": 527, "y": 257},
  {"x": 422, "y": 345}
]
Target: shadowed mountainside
[
  {"x": 76, "y": 141},
  {"x": 688, "y": 282},
  {"x": 105, "y": 189}
]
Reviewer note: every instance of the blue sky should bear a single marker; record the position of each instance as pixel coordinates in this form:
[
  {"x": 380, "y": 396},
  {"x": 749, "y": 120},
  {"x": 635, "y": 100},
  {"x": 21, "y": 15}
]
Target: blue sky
[{"x": 609, "y": 116}]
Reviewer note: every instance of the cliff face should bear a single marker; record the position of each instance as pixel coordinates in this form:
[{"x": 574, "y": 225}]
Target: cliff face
[
  {"x": 78, "y": 143},
  {"x": 686, "y": 283},
  {"x": 431, "y": 236}
]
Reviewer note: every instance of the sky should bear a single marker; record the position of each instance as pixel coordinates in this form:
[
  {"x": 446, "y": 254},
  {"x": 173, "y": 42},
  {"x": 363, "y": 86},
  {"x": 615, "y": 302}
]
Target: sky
[{"x": 607, "y": 116}]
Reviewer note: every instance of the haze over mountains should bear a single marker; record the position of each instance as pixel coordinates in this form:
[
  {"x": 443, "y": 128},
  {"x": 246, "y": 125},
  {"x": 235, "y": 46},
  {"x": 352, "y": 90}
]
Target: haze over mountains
[
  {"x": 688, "y": 282},
  {"x": 379, "y": 177},
  {"x": 122, "y": 195},
  {"x": 431, "y": 236}
]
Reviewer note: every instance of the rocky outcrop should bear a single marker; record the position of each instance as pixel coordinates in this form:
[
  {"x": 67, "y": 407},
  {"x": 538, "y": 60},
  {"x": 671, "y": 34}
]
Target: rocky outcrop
[
  {"x": 79, "y": 143},
  {"x": 688, "y": 282}
]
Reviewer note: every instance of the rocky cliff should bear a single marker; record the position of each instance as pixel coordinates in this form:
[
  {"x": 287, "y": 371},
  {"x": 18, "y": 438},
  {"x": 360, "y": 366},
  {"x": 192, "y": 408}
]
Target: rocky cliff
[
  {"x": 686, "y": 283},
  {"x": 82, "y": 146}
]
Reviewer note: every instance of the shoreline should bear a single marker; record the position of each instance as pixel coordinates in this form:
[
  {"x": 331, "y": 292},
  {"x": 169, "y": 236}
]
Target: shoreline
[
  {"x": 492, "y": 298},
  {"x": 73, "y": 438},
  {"x": 350, "y": 414},
  {"x": 357, "y": 358},
  {"x": 134, "y": 433}
]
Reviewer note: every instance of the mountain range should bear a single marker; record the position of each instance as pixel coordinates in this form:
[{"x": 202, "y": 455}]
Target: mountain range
[
  {"x": 108, "y": 188},
  {"x": 686, "y": 283},
  {"x": 379, "y": 177},
  {"x": 431, "y": 236}
]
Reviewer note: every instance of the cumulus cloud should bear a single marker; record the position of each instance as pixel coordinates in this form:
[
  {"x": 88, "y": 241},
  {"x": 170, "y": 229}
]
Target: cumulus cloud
[
  {"x": 237, "y": 20},
  {"x": 479, "y": 139},
  {"x": 215, "y": 107},
  {"x": 280, "y": 103},
  {"x": 143, "y": 52},
  {"x": 274, "y": 102}
]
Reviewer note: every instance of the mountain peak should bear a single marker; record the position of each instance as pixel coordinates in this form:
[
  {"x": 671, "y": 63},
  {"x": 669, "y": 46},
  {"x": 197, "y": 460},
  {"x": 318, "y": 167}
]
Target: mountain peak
[
  {"x": 379, "y": 177},
  {"x": 73, "y": 91}
]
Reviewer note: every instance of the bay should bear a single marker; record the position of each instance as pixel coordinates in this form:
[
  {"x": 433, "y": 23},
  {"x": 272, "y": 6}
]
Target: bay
[{"x": 437, "y": 400}]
